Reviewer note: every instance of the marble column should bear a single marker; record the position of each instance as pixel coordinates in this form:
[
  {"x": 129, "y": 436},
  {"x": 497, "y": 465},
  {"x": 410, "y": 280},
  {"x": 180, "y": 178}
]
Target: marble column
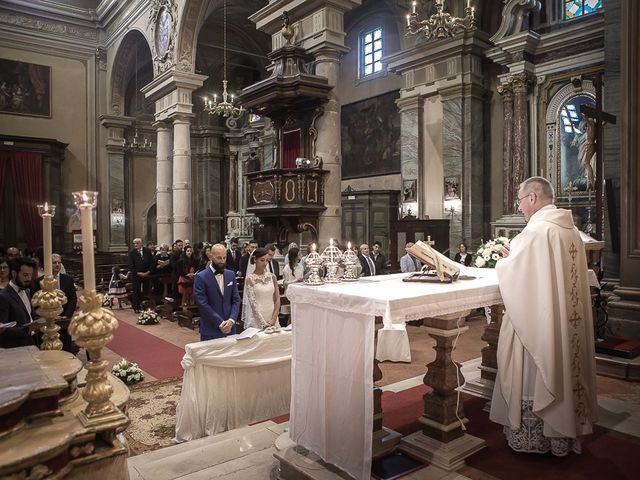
[
  {"x": 164, "y": 196},
  {"x": 411, "y": 153},
  {"x": 508, "y": 195},
  {"x": 233, "y": 179},
  {"x": 521, "y": 83},
  {"x": 328, "y": 147},
  {"x": 182, "y": 207}
]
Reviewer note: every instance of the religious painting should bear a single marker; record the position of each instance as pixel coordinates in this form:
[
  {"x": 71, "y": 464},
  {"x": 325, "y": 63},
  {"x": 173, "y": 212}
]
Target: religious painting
[
  {"x": 452, "y": 188},
  {"x": 25, "y": 88},
  {"x": 371, "y": 137},
  {"x": 409, "y": 191}
]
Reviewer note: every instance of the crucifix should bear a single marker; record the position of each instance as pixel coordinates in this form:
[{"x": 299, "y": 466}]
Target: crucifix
[
  {"x": 599, "y": 117},
  {"x": 430, "y": 242}
]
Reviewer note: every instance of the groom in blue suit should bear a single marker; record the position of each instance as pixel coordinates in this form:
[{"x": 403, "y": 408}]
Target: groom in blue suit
[{"x": 216, "y": 293}]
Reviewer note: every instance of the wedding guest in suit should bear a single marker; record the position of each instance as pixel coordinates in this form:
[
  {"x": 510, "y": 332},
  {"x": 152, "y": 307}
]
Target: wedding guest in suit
[
  {"x": 409, "y": 263},
  {"x": 368, "y": 265},
  {"x": 12, "y": 252},
  {"x": 462, "y": 256},
  {"x": 4, "y": 272},
  {"x": 272, "y": 266},
  {"x": 244, "y": 261},
  {"x": 378, "y": 258},
  {"x": 140, "y": 265},
  {"x": 233, "y": 256},
  {"x": 65, "y": 283},
  {"x": 15, "y": 305},
  {"x": 216, "y": 293}
]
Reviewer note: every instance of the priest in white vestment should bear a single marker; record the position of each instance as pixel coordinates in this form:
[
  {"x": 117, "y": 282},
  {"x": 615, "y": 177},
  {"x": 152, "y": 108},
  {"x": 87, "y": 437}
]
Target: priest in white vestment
[{"x": 545, "y": 390}]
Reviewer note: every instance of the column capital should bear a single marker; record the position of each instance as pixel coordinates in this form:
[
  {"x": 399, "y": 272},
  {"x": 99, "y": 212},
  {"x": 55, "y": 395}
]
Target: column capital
[
  {"x": 409, "y": 103},
  {"x": 180, "y": 117},
  {"x": 521, "y": 82},
  {"x": 162, "y": 125},
  {"x": 506, "y": 91}
]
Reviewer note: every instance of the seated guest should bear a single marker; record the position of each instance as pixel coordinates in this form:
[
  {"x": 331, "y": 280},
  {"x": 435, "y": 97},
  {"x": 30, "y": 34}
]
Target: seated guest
[
  {"x": 65, "y": 283},
  {"x": 378, "y": 258},
  {"x": 162, "y": 261},
  {"x": 368, "y": 265},
  {"x": 261, "y": 302},
  {"x": 293, "y": 271},
  {"x": 216, "y": 294},
  {"x": 15, "y": 305},
  {"x": 409, "y": 263},
  {"x": 462, "y": 256}
]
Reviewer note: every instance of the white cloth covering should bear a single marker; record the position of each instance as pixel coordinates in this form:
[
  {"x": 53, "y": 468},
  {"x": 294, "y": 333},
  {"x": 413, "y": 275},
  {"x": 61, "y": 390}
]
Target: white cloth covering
[
  {"x": 547, "y": 329},
  {"x": 393, "y": 344},
  {"x": 230, "y": 383},
  {"x": 332, "y": 364}
]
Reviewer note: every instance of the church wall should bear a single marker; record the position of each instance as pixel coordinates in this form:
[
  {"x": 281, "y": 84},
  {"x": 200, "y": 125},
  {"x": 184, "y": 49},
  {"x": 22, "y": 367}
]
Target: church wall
[
  {"x": 68, "y": 122},
  {"x": 432, "y": 163},
  {"x": 495, "y": 138},
  {"x": 382, "y": 182},
  {"x": 143, "y": 180}
]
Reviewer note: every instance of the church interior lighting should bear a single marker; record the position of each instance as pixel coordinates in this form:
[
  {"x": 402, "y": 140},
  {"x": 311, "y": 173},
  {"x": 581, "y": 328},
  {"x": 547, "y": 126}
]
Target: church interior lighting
[
  {"x": 137, "y": 143},
  {"x": 441, "y": 24}
]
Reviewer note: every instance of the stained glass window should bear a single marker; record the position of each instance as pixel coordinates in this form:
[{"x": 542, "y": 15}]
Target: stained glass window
[
  {"x": 371, "y": 52},
  {"x": 577, "y": 8}
]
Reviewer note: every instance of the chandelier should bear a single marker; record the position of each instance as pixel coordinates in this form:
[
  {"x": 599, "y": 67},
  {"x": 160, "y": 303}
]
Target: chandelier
[
  {"x": 136, "y": 143},
  {"x": 440, "y": 24},
  {"x": 224, "y": 107}
]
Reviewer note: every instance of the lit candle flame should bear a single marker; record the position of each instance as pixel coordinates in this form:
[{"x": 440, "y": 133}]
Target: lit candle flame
[
  {"x": 46, "y": 207},
  {"x": 313, "y": 247},
  {"x": 349, "y": 245},
  {"x": 331, "y": 242}
]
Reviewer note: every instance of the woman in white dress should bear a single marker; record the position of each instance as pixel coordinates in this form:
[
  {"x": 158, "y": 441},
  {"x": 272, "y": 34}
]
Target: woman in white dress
[{"x": 261, "y": 303}]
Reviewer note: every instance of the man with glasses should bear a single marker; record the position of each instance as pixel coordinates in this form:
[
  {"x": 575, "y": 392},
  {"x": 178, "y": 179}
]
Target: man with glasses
[{"x": 545, "y": 391}]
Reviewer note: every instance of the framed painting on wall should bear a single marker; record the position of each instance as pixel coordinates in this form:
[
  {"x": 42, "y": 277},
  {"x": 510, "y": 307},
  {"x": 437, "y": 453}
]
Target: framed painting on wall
[
  {"x": 371, "y": 137},
  {"x": 25, "y": 88}
]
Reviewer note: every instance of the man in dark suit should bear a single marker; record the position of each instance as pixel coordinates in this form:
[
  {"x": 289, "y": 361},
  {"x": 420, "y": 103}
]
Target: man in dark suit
[
  {"x": 378, "y": 258},
  {"x": 65, "y": 283},
  {"x": 272, "y": 266},
  {"x": 216, "y": 293},
  {"x": 15, "y": 305},
  {"x": 233, "y": 256},
  {"x": 244, "y": 261},
  {"x": 368, "y": 265},
  {"x": 140, "y": 265}
]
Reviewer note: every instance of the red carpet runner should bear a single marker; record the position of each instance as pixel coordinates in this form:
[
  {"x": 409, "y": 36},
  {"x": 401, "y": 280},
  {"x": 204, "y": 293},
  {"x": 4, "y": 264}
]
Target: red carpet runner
[{"x": 154, "y": 355}]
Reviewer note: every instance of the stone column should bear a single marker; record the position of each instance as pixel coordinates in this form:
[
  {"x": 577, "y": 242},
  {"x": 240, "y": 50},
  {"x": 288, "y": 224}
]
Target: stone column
[
  {"x": 521, "y": 83},
  {"x": 164, "y": 196},
  {"x": 508, "y": 195},
  {"x": 182, "y": 206},
  {"x": 328, "y": 147},
  {"x": 233, "y": 178},
  {"x": 411, "y": 154}
]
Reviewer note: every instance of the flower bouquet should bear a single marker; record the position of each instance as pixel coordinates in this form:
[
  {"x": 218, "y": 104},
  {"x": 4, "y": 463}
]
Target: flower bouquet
[
  {"x": 148, "y": 317},
  {"x": 128, "y": 372},
  {"x": 489, "y": 253}
]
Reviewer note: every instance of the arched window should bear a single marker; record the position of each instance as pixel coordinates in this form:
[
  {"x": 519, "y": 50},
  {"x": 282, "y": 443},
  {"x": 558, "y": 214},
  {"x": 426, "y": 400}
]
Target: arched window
[{"x": 371, "y": 44}]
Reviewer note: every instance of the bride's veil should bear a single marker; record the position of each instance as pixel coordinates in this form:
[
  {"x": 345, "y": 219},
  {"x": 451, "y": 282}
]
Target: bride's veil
[{"x": 248, "y": 318}]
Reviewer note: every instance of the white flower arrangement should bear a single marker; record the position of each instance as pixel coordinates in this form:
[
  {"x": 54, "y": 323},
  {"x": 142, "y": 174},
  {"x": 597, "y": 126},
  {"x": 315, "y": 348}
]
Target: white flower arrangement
[
  {"x": 148, "y": 317},
  {"x": 489, "y": 253},
  {"x": 128, "y": 372}
]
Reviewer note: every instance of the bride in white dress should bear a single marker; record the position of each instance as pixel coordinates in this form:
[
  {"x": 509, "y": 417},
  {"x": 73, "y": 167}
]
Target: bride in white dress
[{"x": 261, "y": 300}]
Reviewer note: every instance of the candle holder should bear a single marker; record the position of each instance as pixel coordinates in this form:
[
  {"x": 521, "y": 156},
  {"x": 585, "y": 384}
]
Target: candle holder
[
  {"x": 314, "y": 262},
  {"x": 350, "y": 261},
  {"x": 332, "y": 257},
  {"x": 49, "y": 299}
]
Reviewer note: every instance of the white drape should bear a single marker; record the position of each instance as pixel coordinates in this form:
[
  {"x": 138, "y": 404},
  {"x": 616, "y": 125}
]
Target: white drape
[
  {"x": 230, "y": 383},
  {"x": 332, "y": 384}
]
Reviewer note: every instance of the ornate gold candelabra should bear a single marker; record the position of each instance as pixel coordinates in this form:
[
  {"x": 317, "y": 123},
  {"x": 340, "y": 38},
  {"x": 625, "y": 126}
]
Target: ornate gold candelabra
[
  {"x": 49, "y": 299},
  {"x": 441, "y": 24},
  {"x": 91, "y": 327}
]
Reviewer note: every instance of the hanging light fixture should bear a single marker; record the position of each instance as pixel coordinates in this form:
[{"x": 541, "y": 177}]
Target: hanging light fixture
[
  {"x": 441, "y": 24},
  {"x": 224, "y": 107},
  {"x": 136, "y": 143}
]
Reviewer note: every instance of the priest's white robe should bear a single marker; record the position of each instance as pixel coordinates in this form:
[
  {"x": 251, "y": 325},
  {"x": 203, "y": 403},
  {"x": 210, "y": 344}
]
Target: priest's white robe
[{"x": 546, "y": 344}]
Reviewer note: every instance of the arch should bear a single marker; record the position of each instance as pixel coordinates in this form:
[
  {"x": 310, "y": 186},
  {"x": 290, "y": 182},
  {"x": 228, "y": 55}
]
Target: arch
[
  {"x": 193, "y": 15},
  {"x": 149, "y": 221},
  {"x": 123, "y": 67}
]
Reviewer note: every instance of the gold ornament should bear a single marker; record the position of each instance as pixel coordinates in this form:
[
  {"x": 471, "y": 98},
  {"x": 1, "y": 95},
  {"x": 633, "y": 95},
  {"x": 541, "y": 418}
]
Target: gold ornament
[{"x": 49, "y": 301}]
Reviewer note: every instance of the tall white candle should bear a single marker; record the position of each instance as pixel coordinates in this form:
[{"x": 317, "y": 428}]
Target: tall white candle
[
  {"x": 46, "y": 239},
  {"x": 85, "y": 201},
  {"x": 413, "y": 7}
]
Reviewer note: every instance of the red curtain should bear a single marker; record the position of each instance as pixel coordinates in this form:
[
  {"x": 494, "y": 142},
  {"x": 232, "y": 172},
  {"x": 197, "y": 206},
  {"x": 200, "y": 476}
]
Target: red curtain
[
  {"x": 27, "y": 181},
  {"x": 4, "y": 159},
  {"x": 290, "y": 148}
]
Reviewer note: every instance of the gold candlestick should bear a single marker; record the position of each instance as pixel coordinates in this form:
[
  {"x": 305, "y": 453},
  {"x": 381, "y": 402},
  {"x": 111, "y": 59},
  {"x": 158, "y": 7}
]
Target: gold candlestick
[{"x": 49, "y": 299}]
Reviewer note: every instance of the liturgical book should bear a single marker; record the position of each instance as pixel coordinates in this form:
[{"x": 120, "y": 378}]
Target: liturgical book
[{"x": 445, "y": 267}]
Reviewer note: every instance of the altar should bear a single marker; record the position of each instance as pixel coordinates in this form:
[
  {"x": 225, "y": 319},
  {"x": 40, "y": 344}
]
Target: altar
[{"x": 332, "y": 407}]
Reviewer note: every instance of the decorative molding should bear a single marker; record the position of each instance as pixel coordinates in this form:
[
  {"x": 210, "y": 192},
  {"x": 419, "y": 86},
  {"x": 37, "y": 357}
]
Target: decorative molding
[
  {"x": 513, "y": 17},
  {"x": 101, "y": 59},
  {"x": 163, "y": 18},
  {"x": 49, "y": 26}
]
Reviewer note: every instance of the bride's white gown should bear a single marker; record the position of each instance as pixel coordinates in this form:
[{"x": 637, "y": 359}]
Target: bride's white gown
[{"x": 258, "y": 304}]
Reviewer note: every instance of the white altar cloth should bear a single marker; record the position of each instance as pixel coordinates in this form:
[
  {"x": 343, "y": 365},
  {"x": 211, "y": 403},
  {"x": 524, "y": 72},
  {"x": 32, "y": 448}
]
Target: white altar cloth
[
  {"x": 332, "y": 363},
  {"x": 229, "y": 383},
  {"x": 393, "y": 344}
]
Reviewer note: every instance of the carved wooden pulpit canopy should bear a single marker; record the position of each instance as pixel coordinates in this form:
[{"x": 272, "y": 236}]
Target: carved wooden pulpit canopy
[{"x": 289, "y": 197}]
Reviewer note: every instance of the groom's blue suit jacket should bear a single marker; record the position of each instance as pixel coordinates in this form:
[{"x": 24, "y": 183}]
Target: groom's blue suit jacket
[{"x": 216, "y": 306}]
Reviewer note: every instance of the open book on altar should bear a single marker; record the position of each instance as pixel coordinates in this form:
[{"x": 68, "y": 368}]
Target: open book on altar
[{"x": 446, "y": 269}]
